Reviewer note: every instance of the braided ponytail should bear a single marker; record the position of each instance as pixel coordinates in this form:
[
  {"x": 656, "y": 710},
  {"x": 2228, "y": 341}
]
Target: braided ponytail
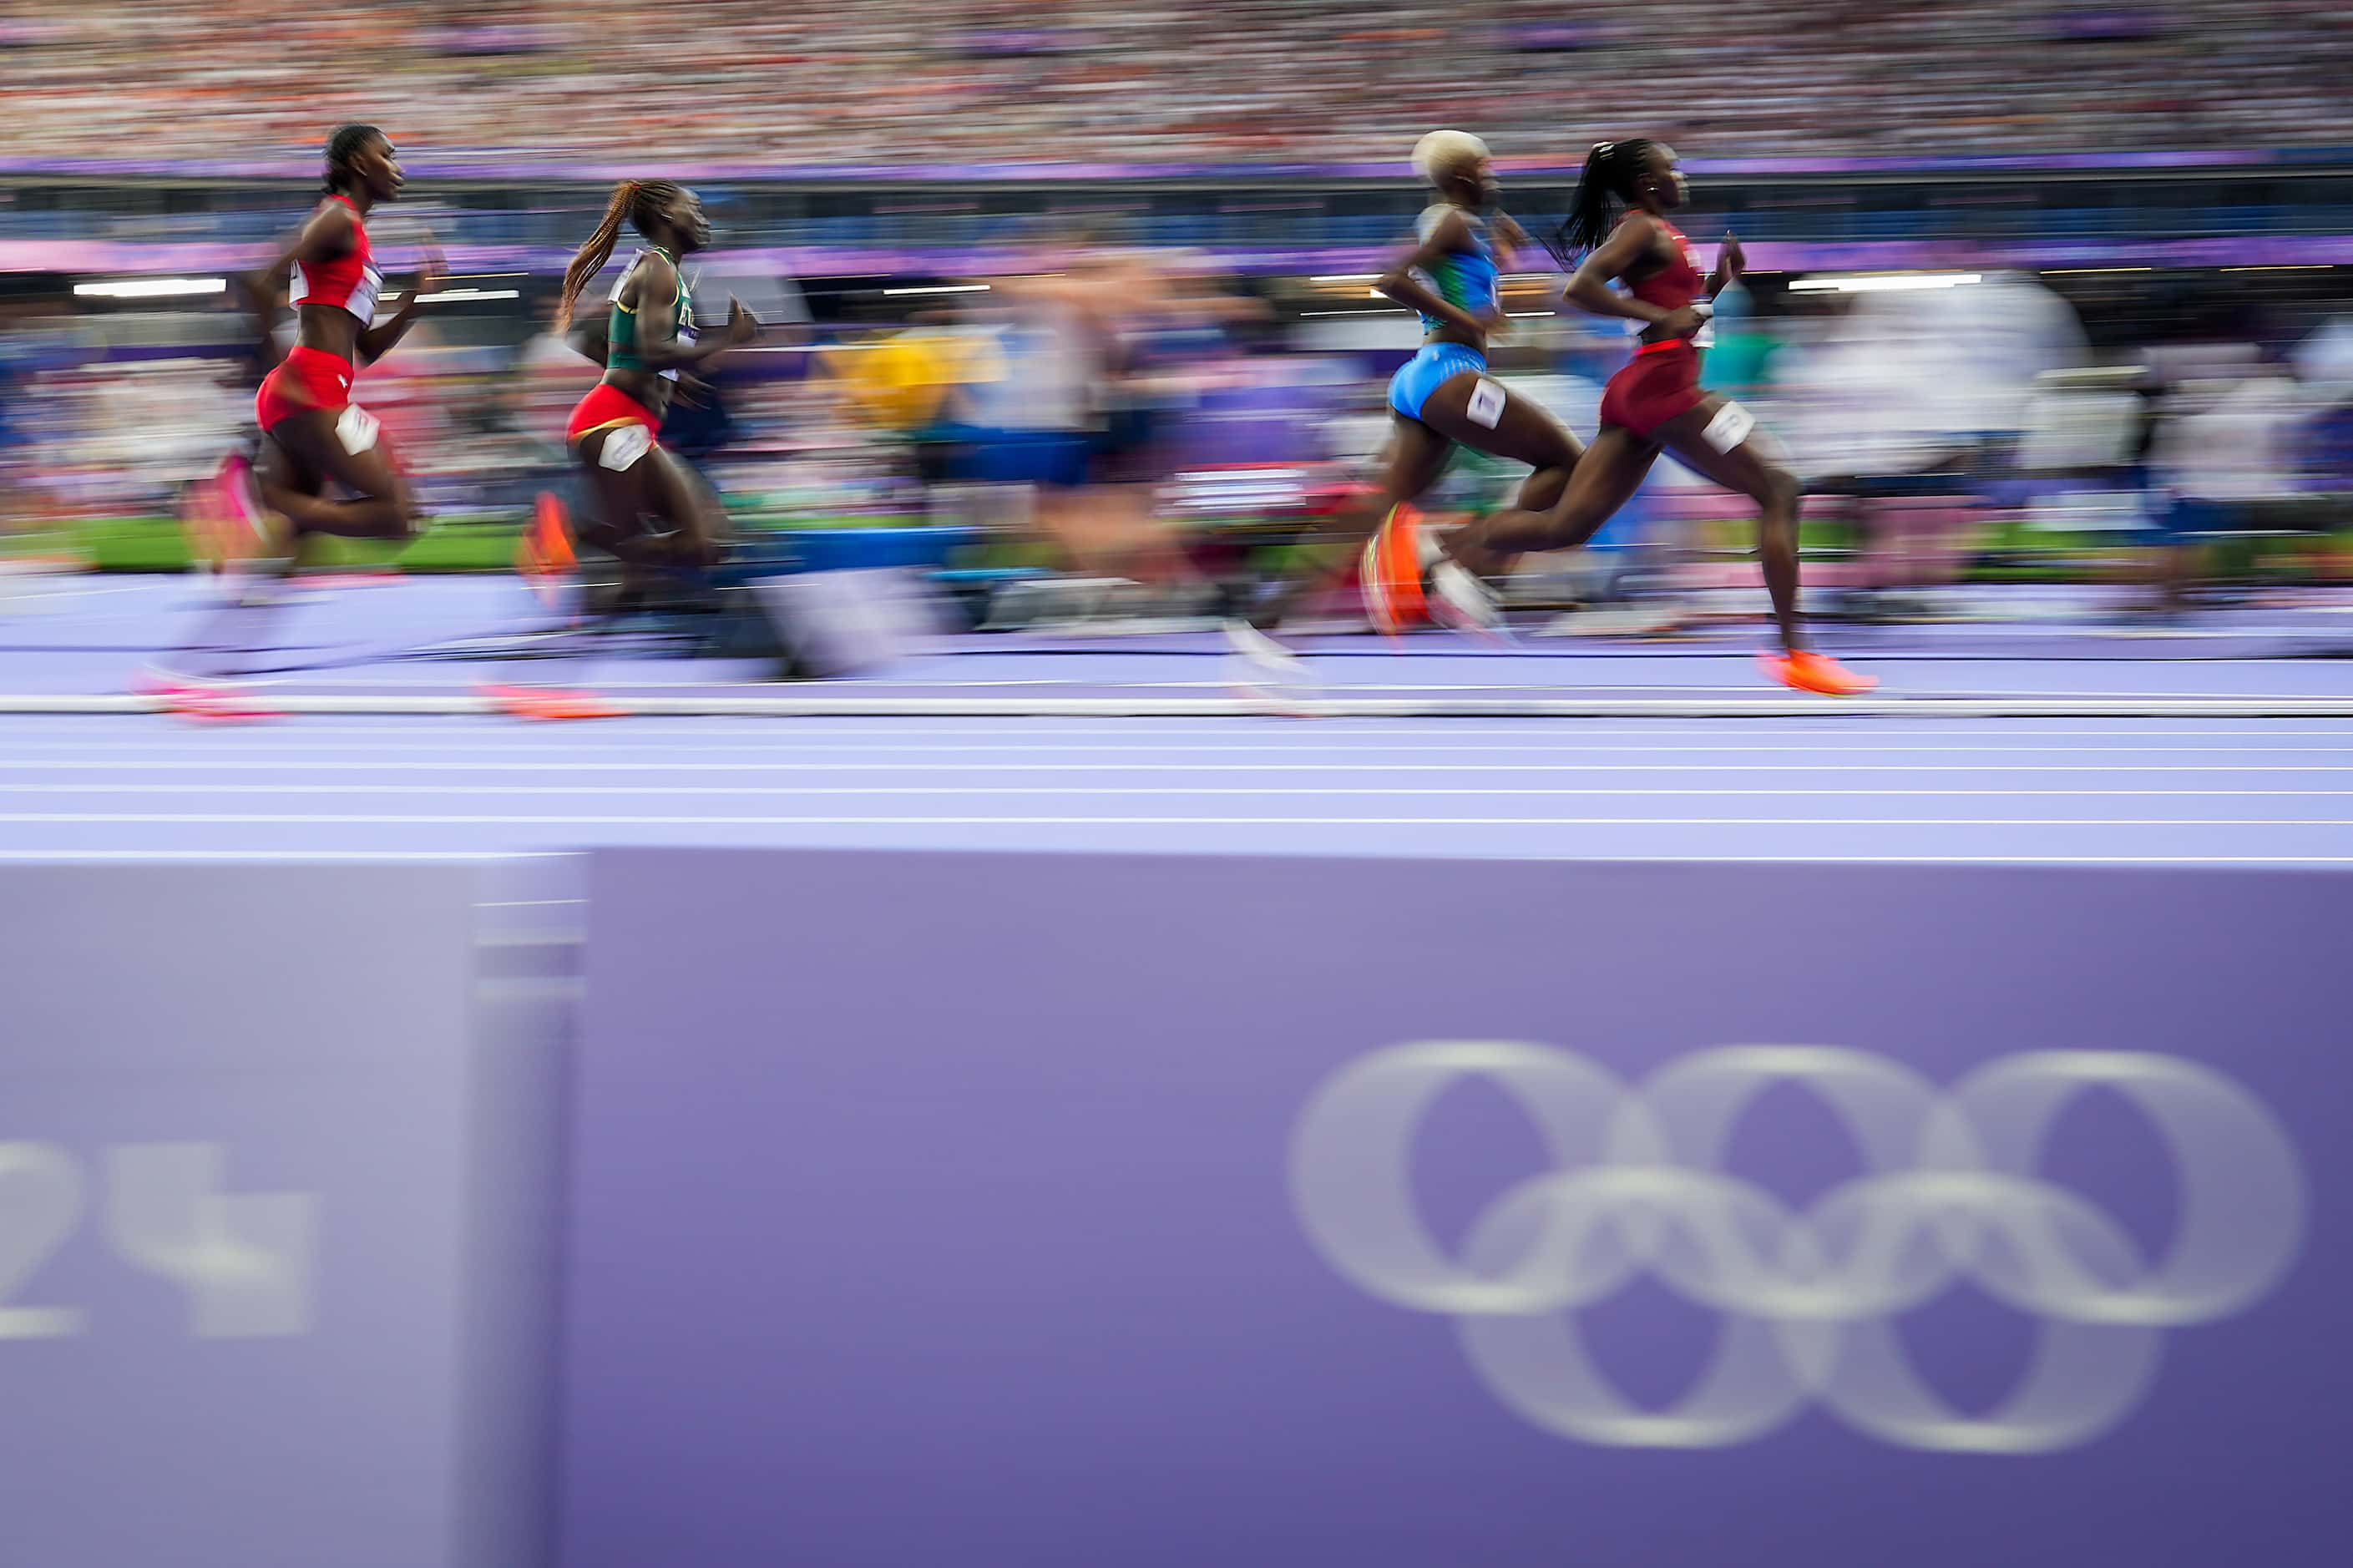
[
  {"x": 1612, "y": 171},
  {"x": 590, "y": 260},
  {"x": 640, "y": 204}
]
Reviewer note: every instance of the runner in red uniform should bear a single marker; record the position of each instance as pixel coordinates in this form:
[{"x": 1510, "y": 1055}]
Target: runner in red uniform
[
  {"x": 314, "y": 434},
  {"x": 1655, "y": 403}
]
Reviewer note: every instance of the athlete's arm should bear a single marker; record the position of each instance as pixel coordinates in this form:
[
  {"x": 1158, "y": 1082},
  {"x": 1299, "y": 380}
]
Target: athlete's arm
[
  {"x": 324, "y": 236},
  {"x": 592, "y": 339},
  {"x": 656, "y": 285},
  {"x": 1511, "y": 239},
  {"x": 1449, "y": 237},
  {"x": 1589, "y": 290},
  {"x": 1731, "y": 261},
  {"x": 263, "y": 308},
  {"x": 378, "y": 339}
]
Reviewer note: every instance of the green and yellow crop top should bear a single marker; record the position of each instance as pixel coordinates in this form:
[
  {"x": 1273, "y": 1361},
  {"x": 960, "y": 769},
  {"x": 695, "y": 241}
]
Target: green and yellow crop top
[{"x": 621, "y": 333}]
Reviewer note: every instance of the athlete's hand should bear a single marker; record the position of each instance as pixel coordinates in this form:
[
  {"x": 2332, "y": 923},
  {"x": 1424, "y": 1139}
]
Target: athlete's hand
[
  {"x": 1509, "y": 236},
  {"x": 1731, "y": 260},
  {"x": 1683, "y": 323},
  {"x": 1495, "y": 324},
  {"x": 690, "y": 390},
  {"x": 430, "y": 267},
  {"x": 742, "y": 325}
]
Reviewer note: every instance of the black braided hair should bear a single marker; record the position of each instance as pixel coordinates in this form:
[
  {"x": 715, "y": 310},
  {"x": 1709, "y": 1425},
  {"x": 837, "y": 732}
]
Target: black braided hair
[
  {"x": 1612, "y": 171},
  {"x": 638, "y": 202},
  {"x": 347, "y": 144}
]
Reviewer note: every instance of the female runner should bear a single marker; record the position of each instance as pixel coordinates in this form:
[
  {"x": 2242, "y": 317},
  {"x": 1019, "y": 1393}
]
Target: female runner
[
  {"x": 313, "y": 433},
  {"x": 649, "y": 338},
  {"x": 1442, "y": 396},
  {"x": 1655, "y": 403}
]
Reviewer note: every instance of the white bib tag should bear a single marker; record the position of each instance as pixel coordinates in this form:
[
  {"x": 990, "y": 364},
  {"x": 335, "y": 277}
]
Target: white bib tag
[
  {"x": 624, "y": 445},
  {"x": 356, "y": 429},
  {"x": 1486, "y": 403},
  {"x": 1730, "y": 427}
]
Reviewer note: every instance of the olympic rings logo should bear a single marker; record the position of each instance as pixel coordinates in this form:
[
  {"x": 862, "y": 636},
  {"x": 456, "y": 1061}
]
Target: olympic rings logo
[{"x": 1950, "y": 1193}]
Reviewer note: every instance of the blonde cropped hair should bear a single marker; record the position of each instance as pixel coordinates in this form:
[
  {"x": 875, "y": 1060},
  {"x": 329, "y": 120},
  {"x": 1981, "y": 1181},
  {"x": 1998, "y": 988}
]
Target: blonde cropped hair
[{"x": 1444, "y": 153}]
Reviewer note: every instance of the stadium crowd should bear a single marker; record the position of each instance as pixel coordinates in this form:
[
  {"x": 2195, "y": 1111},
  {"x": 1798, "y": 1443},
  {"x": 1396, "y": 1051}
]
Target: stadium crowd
[{"x": 966, "y": 81}]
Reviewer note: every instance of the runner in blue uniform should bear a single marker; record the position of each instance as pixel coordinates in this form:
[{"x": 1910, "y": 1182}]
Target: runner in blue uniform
[{"x": 1451, "y": 277}]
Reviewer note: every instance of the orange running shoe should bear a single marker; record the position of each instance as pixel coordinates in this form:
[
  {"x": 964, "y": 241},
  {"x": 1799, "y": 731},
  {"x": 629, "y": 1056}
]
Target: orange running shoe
[
  {"x": 1391, "y": 573},
  {"x": 548, "y": 703},
  {"x": 544, "y": 555},
  {"x": 193, "y": 697},
  {"x": 1816, "y": 673}
]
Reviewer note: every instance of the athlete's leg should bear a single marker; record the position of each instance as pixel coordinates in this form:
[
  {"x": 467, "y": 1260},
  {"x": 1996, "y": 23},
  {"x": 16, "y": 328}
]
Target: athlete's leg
[
  {"x": 699, "y": 535},
  {"x": 323, "y": 442},
  {"x": 1542, "y": 490},
  {"x": 1415, "y": 456},
  {"x": 622, "y": 493},
  {"x": 1720, "y": 441},
  {"x": 1604, "y": 479},
  {"x": 1478, "y": 411},
  {"x": 275, "y": 493},
  {"x": 291, "y": 495},
  {"x": 1482, "y": 414}
]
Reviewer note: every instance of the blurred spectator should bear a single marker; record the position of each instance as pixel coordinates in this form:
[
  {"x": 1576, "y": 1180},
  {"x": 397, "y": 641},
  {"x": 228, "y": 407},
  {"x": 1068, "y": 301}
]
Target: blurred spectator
[
  {"x": 2224, "y": 454},
  {"x": 46, "y": 407}
]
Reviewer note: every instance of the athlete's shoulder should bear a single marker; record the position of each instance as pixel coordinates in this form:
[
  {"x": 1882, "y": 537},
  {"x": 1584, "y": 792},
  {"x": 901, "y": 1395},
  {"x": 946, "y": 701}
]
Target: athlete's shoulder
[
  {"x": 1435, "y": 217},
  {"x": 1644, "y": 235},
  {"x": 335, "y": 219},
  {"x": 649, "y": 269}
]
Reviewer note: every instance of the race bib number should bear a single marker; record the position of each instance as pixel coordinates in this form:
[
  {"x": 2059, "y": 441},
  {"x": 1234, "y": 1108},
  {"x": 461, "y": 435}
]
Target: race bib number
[
  {"x": 624, "y": 445},
  {"x": 1730, "y": 427},
  {"x": 1486, "y": 403},
  {"x": 356, "y": 429}
]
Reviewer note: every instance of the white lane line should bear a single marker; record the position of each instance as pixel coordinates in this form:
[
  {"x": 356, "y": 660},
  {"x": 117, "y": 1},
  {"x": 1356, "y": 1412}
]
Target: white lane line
[
  {"x": 443, "y": 765},
  {"x": 1644, "y": 792},
  {"x": 287, "y": 686},
  {"x": 648, "y": 740},
  {"x": 556, "y": 748},
  {"x": 141, "y": 729},
  {"x": 1826, "y": 858},
  {"x": 45, "y": 594},
  {"x": 246, "y": 819},
  {"x": 1551, "y": 702},
  {"x": 1966, "y": 679},
  {"x": 275, "y": 853},
  {"x": 1180, "y": 673}
]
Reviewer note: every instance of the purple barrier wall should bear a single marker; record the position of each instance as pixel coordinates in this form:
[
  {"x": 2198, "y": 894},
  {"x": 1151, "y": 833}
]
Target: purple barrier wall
[
  {"x": 276, "y": 1167},
  {"x": 1057, "y": 1209}
]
